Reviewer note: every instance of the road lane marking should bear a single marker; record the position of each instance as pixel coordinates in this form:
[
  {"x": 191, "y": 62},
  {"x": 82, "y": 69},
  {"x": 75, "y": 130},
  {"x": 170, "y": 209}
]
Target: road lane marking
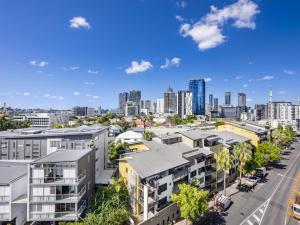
[
  {"x": 249, "y": 222},
  {"x": 261, "y": 211},
  {"x": 255, "y": 216}
]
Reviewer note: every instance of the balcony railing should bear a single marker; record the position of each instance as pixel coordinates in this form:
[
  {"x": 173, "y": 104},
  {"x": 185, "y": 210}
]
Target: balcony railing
[
  {"x": 46, "y": 180},
  {"x": 4, "y": 216},
  {"x": 68, "y": 215},
  {"x": 180, "y": 174},
  {"x": 59, "y": 197},
  {"x": 4, "y": 198}
]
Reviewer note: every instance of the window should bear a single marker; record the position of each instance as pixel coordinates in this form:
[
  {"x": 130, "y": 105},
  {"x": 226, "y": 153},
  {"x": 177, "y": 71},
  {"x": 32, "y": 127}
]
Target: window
[
  {"x": 194, "y": 173},
  {"x": 162, "y": 188},
  {"x": 162, "y": 201}
]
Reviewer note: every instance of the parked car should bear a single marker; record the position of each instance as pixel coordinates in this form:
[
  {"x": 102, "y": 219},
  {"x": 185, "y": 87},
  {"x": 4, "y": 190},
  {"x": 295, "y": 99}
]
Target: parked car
[
  {"x": 252, "y": 181},
  {"x": 223, "y": 202},
  {"x": 261, "y": 172}
]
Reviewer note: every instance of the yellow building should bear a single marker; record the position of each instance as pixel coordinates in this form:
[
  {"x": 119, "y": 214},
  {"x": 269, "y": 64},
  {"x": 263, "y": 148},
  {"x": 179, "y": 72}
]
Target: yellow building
[{"x": 256, "y": 134}]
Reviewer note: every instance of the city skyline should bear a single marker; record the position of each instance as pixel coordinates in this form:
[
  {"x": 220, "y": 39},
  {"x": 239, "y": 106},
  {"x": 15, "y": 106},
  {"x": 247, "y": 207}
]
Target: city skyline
[{"x": 79, "y": 57}]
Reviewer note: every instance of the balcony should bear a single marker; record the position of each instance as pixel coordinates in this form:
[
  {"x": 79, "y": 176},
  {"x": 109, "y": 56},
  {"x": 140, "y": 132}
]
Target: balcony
[
  {"x": 60, "y": 197},
  {"x": 179, "y": 175},
  {"x": 4, "y": 198},
  {"x": 58, "y": 180},
  {"x": 4, "y": 216},
  {"x": 57, "y": 216}
]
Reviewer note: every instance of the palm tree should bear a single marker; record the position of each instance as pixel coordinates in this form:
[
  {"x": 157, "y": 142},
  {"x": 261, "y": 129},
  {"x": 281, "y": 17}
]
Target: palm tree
[
  {"x": 243, "y": 153},
  {"x": 224, "y": 161}
]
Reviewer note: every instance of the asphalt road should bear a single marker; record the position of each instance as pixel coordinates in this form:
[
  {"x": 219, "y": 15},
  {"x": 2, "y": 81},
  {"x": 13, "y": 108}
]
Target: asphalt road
[{"x": 267, "y": 204}]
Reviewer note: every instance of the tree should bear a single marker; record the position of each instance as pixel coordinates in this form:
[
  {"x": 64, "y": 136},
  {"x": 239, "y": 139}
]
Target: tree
[
  {"x": 192, "y": 202},
  {"x": 267, "y": 152},
  {"x": 12, "y": 124},
  {"x": 224, "y": 161},
  {"x": 283, "y": 136},
  {"x": 174, "y": 120},
  {"x": 115, "y": 149},
  {"x": 148, "y": 135},
  {"x": 242, "y": 152},
  {"x": 219, "y": 123},
  {"x": 58, "y": 125}
]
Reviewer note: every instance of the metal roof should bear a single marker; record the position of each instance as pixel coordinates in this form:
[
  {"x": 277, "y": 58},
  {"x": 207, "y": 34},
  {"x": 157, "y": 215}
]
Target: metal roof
[
  {"x": 63, "y": 156},
  {"x": 11, "y": 171}
]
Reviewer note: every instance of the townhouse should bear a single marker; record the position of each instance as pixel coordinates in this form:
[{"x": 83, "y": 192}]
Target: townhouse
[{"x": 60, "y": 185}]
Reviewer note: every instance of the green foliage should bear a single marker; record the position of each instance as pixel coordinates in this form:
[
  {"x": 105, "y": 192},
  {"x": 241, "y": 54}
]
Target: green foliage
[
  {"x": 219, "y": 123},
  {"x": 11, "y": 124},
  {"x": 148, "y": 135},
  {"x": 174, "y": 120},
  {"x": 109, "y": 206},
  {"x": 224, "y": 162},
  {"x": 104, "y": 120},
  {"x": 242, "y": 152},
  {"x": 283, "y": 136},
  {"x": 266, "y": 152},
  {"x": 115, "y": 149},
  {"x": 192, "y": 202},
  {"x": 58, "y": 125}
]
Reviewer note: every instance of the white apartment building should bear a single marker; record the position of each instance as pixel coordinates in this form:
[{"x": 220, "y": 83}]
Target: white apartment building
[
  {"x": 184, "y": 104},
  {"x": 44, "y": 119},
  {"x": 13, "y": 192},
  {"x": 160, "y": 105}
]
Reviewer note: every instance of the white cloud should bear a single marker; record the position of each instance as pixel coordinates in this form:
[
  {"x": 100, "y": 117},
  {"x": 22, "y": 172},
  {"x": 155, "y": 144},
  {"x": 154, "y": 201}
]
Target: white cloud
[
  {"x": 137, "y": 67},
  {"x": 179, "y": 18},
  {"x": 53, "y": 97},
  {"x": 289, "y": 72},
  {"x": 207, "y": 32},
  {"x": 173, "y": 62},
  {"x": 93, "y": 71},
  {"x": 238, "y": 77},
  {"x": 245, "y": 85},
  {"x": 79, "y": 21},
  {"x": 38, "y": 63},
  {"x": 76, "y": 93},
  {"x": 267, "y": 78},
  {"x": 95, "y": 96},
  {"x": 181, "y": 4},
  {"x": 26, "y": 93},
  {"x": 282, "y": 92},
  {"x": 89, "y": 83},
  {"x": 249, "y": 99},
  {"x": 207, "y": 79},
  {"x": 74, "y": 68}
]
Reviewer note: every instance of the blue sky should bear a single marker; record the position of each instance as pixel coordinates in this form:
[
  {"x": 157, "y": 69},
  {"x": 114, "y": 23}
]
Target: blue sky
[{"x": 59, "y": 53}]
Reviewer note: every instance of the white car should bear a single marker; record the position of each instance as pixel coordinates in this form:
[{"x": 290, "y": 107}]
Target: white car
[{"x": 252, "y": 181}]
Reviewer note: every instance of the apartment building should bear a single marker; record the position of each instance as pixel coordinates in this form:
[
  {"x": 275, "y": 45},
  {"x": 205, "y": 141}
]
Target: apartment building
[
  {"x": 60, "y": 185},
  {"x": 44, "y": 119},
  {"x": 178, "y": 158},
  {"x": 13, "y": 192},
  {"x": 255, "y": 133},
  {"x": 32, "y": 144}
]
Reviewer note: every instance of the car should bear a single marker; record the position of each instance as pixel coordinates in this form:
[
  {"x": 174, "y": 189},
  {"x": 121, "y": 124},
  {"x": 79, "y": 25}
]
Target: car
[
  {"x": 223, "y": 202},
  {"x": 252, "y": 181},
  {"x": 261, "y": 172}
]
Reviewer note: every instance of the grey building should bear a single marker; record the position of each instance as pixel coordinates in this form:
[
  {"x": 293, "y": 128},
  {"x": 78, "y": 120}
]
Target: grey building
[
  {"x": 135, "y": 96},
  {"x": 210, "y": 100},
  {"x": 227, "y": 98},
  {"x": 170, "y": 101},
  {"x": 123, "y": 98},
  {"x": 61, "y": 185},
  {"x": 241, "y": 99},
  {"x": 228, "y": 111},
  {"x": 216, "y": 104},
  {"x": 148, "y": 104},
  {"x": 84, "y": 111},
  {"x": 131, "y": 108},
  {"x": 260, "y": 111},
  {"x": 32, "y": 144}
]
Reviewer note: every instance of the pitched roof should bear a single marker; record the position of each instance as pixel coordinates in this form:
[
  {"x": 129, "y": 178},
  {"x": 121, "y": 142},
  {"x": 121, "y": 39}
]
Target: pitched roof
[{"x": 11, "y": 171}]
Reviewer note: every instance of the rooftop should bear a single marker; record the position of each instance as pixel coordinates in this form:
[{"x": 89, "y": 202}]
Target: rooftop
[
  {"x": 45, "y": 132},
  {"x": 63, "y": 156},
  {"x": 249, "y": 127},
  {"x": 11, "y": 171}
]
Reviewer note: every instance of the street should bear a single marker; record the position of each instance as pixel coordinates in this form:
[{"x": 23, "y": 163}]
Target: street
[{"x": 267, "y": 204}]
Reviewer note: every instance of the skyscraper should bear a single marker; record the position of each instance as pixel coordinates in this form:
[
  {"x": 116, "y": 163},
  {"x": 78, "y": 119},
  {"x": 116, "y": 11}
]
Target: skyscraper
[
  {"x": 227, "y": 98},
  {"x": 211, "y": 97},
  {"x": 216, "y": 104},
  {"x": 241, "y": 99},
  {"x": 160, "y": 106},
  {"x": 135, "y": 96},
  {"x": 148, "y": 104},
  {"x": 197, "y": 87},
  {"x": 123, "y": 97},
  {"x": 184, "y": 104},
  {"x": 170, "y": 101}
]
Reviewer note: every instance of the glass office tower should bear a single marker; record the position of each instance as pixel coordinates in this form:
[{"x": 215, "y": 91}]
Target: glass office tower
[{"x": 197, "y": 87}]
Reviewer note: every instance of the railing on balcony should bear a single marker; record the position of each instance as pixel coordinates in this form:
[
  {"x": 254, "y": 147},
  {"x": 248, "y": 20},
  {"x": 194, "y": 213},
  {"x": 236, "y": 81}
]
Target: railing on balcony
[
  {"x": 4, "y": 216},
  {"x": 60, "y": 197},
  {"x": 180, "y": 174},
  {"x": 4, "y": 198},
  {"x": 68, "y": 215},
  {"x": 45, "y": 180}
]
